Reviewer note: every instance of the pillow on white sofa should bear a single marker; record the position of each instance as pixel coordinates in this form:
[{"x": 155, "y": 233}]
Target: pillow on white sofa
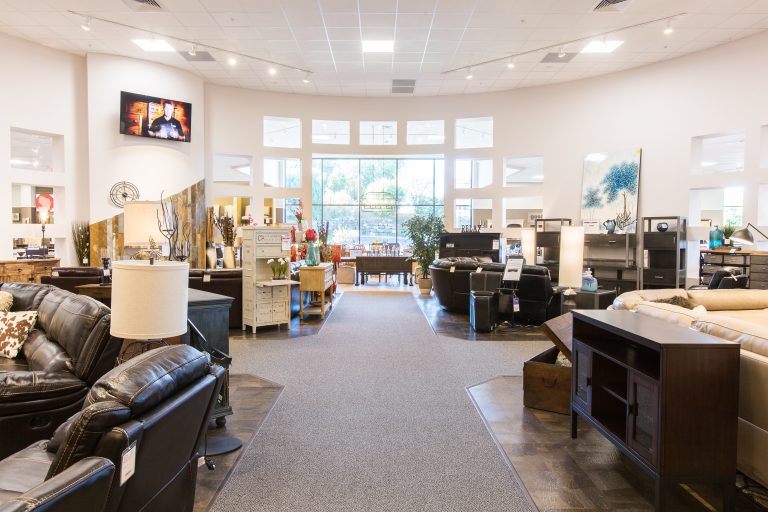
[
  {"x": 670, "y": 313},
  {"x": 630, "y": 300},
  {"x": 751, "y": 336}
]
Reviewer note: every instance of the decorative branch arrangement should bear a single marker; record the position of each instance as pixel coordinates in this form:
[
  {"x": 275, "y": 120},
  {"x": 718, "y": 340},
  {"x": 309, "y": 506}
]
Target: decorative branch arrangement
[
  {"x": 169, "y": 227},
  {"x": 81, "y": 238},
  {"x": 226, "y": 226}
]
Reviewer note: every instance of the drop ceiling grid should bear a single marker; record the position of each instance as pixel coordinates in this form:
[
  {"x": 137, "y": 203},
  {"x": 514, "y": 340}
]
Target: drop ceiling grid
[{"x": 430, "y": 36}]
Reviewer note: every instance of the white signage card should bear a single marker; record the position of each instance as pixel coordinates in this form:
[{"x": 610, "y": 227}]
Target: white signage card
[
  {"x": 495, "y": 245},
  {"x": 206, "y": 278},
  {"x": 591, "y": 226},
  {"x": 513, "y": 269},
  {"x": 128, "y": 463},
  {"x": 286, "y": 243},
  {"x": 106, "y": 272}
]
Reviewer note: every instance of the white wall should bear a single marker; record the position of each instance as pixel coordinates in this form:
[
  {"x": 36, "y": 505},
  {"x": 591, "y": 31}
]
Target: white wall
[
  {"x": 659, "y": 108},
  {"x": 152, "y": 165},
  {"x": 44, "y": 90}
]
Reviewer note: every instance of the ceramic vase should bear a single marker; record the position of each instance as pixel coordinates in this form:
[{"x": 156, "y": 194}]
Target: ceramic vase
[
  {"x": 229, "y": 257},
  {"x": 313, "y": 254}
]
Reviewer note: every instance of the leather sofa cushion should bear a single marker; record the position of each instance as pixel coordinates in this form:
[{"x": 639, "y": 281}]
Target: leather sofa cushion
[
  {"x": 24, "y": 469},
  {"x": 150, "y": 378},
  {"x": 461, "y": 263},
  {"x": 13, "y": 365},
  {"x": 720, "y": 300},
  {"x": 26, "y": 386},
  {"x": 84, "y": 432},
  {"x": 69, "y": 319},
  {"x": 26, "y": 297},
  {"x": 76, "y": 271},
  {"x": 757, "y": 316},
  {"x": 630, "y": 300},
  {"x": 752, "y": 337},
  {"x": 670, "y": 313},
  {"x": 44, "y": 355}
]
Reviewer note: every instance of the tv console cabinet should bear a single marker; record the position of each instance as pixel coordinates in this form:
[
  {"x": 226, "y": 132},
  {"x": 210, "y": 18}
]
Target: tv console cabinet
[{"x": 665, "y": 395}]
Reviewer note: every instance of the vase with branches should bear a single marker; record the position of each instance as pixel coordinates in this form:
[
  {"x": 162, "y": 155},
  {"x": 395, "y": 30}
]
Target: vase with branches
[
  {"x": 81, "y": 238},
  {"x": 168, "y": 224}
]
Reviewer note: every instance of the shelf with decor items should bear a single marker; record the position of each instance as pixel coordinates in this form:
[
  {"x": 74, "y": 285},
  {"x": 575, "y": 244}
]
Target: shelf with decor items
[
  {"x": 752, "y": 263},
  {"x": 613, "y": 260},
  {"x": 664, "y": 247},
  {"x": 265, "y": 301},
  {"x": 548, "y": 244}
]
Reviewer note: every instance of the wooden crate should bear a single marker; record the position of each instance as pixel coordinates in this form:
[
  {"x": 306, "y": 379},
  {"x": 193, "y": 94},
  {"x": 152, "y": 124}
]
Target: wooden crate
[{"x": 545, "y": 385}]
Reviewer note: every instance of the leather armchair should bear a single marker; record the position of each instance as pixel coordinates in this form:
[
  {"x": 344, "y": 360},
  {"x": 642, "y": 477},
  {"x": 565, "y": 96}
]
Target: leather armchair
[
  {"x": 69, "y": 349},
  {"x": 725, "y": 279},
  {"x": 452, "y": 288},
  {"x": 67, "y": 278},
  {"x": 160, "y": 400}
]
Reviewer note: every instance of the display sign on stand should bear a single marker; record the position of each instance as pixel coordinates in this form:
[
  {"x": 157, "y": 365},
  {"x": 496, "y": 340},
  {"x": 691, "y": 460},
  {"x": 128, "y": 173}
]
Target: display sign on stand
[{"x": 513, "y": 269}]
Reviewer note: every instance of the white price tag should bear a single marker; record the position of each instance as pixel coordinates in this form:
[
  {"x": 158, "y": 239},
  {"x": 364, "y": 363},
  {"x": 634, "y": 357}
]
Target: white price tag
[
  {"x": 453, "y": 269},
  {"x": 286, "y": 243},
  {"x": 479, "y": 269},
  {"x": 206, "y": 278},
  {"x": 106, "y": 272},
  {"x": 495, "y": 245},
  {"x": 128, "y": 463},
  {"x": 513, "y": 269},
  {"x": 516, "y": 305},
  {"x": 55, "y": 273}
]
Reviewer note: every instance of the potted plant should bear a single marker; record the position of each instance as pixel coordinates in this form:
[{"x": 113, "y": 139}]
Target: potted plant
[
  {"x": 81, "y": 237},
  {"x": 424, "y": 233},
  {"x": 728, "y": 230}
]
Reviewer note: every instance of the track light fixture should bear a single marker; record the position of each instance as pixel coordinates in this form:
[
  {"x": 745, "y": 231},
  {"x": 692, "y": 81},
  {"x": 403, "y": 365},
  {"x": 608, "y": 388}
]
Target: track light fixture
[
  {"x": 307, "y": 78},
  {"x": 192, "y": 51},
  {"x": 669, "y": 28},
  {"x": 561, "y": 52},
  {"x": 86, "y": 25},
  {"x": 469, "y": 74},
  {"x": 511, "y": 64}
]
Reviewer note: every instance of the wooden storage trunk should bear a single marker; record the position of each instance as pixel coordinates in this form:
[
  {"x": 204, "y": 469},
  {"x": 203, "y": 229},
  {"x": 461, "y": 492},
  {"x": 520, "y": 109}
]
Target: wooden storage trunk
[
  {"x": 345, "y": 275},
  {"x": 547, "y": 386}
]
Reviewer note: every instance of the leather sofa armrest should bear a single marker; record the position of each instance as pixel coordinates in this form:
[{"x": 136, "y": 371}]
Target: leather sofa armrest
[
  {"x": 23, "y": 386},
  {"x": 83, "y": 487}
]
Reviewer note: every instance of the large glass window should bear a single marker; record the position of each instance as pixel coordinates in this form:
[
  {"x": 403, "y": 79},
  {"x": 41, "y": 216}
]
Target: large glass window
[
  {"x": 378, "y": 133},
  {"x": 368, "y": 199},
  {"x": 474, "y": 132},
  {"x": 282, "y": 172},
  {"x": 472, "y": 212},
  {"x": 330, "y": 132},
  {"x": 282, "y": 132},
  {"x": 231, "y": 168},
  {"x": 473, "y": 173}
]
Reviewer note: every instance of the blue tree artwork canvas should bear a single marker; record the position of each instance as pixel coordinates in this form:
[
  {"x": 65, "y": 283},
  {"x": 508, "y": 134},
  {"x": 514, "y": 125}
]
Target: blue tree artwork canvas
[{"x": 609, "y": 190}]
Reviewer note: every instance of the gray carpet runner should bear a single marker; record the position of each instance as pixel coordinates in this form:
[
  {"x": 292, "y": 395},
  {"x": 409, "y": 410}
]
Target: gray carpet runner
[{"x": 375, "y": 417}]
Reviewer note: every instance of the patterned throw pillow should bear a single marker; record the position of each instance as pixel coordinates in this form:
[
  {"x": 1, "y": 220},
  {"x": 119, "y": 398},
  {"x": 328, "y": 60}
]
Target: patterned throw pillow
[
  {"x": 14, "y": 328},
  {"x": 6, "y": 301},
  {"x": 676, "y": 301}
]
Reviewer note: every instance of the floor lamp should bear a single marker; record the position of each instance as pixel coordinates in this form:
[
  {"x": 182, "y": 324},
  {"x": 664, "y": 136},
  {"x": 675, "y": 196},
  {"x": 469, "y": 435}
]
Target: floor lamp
[
  {"x": 149, "y": 305},
  {"x": 744, "y": 236},
  {"x": 571, "y": 263},
  {"x": 528, "y": 245}
]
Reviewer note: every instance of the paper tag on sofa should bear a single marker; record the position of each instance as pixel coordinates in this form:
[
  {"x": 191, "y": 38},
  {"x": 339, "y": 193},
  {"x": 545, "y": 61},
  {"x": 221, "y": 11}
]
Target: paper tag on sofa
[
  {"x": 479, "y": 269},
  {"x": 453, "y": 269},
  {"x": 106, "y": 272},
  {"x": 516, "y": 305},
  {"x": 206, "y": 278},
  {"x": 55, "y": 273},
  {"x": 128, "y": 463}
]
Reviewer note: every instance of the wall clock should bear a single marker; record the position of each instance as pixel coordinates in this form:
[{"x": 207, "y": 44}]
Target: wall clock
[{"x": 122, "y": 192}]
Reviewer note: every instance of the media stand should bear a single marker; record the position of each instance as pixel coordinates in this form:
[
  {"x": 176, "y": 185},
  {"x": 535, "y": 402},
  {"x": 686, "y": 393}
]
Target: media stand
[{"x": 666, "y": 396}]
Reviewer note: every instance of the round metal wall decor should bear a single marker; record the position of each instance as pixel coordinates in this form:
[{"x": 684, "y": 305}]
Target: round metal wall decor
[{"x": 122, "y": 192}]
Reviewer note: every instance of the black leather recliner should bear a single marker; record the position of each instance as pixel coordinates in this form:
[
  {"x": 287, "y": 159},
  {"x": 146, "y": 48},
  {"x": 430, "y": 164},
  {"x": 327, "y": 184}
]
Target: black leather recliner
[
  {"x": 67, "y": 351},
  {"x": 161, "y": 401},
  {"x": 68, "y": 278}
]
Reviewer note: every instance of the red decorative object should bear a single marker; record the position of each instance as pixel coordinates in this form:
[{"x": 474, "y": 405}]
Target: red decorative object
[
  {"x": 293, "y": 252},
  {"x": 336, "y": 253},
  {"x": 311, "y": 235},
  {"x": 303, "y": 251},
  {"x": 44, "y": 201},
  {"x": 298, "y": 212},
  {"x": 293, "y": 235}
]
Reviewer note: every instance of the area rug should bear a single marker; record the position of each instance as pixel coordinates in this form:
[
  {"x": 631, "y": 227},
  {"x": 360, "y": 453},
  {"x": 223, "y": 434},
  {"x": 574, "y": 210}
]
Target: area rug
[{"x": 375, "y": 417}]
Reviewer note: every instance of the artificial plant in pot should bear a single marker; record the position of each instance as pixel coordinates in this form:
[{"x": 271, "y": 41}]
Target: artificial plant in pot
[
  {"x": 424, "y": 232},
  {"x": 728, "y": 230}
]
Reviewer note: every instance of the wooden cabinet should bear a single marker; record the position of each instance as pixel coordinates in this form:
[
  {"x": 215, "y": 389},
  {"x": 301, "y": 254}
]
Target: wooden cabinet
[
  {"x": 612, "y": 259},
  {"x": 265, "y": 301},
  {"x": 664, "y": 260},
  {"x": 26, "y": 271},
  {"x": 758, "y": 272},
  {"x": 316, "y": 279},
  {"x": 665, "y": 395}
]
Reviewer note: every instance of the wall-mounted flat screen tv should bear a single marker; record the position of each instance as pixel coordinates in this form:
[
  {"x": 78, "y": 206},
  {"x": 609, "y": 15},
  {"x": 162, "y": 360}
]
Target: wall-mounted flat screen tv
[{"x": 158, "y": 118}]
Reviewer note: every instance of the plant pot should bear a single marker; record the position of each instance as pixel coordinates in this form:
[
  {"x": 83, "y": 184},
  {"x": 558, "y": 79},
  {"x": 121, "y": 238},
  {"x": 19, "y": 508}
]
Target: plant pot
[
  {"x": 229, "y": 257},
  {"x": 210, "y": 257},
  {"x": 425, "y": 285}
]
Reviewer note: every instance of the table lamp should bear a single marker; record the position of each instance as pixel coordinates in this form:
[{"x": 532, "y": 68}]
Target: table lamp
[
  {"x": 528, "y": 245},
  {"x": 571, "y": 262},
  {"x": 42, "y": 212},
  {"x": 744, "y": 236}
]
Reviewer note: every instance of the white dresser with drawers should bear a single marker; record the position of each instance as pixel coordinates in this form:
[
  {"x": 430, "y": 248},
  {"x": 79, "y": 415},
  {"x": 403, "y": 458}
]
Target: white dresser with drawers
[{"x": 265, "y": 301}]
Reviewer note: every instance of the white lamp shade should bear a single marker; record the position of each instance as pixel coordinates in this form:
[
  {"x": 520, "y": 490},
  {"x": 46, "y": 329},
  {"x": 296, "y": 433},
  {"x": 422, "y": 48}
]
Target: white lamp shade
[
  {"x": 571, "y": 256},
  {"x": 141, "y": 223},
  {"x": 528, "y": 243},
  {"x": 149, "y": 302}
]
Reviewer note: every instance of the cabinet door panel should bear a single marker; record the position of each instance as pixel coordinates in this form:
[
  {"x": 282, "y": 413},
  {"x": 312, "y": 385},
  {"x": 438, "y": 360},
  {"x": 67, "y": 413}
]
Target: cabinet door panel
[
  {"x": 582, "y": 375},
  {"x": 643, "y": 424}
]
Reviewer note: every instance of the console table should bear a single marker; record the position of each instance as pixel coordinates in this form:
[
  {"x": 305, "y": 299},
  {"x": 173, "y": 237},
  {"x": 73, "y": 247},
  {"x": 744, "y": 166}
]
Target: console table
[
  {"x": 26, "y": 271},
  {"x": 316, "y": 279},
  {"x": 389, "y": 265},
  {"x": 666, "y": 396}
]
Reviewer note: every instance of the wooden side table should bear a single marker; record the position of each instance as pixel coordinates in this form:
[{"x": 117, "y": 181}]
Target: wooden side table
[{"x": 316, "y": 279}]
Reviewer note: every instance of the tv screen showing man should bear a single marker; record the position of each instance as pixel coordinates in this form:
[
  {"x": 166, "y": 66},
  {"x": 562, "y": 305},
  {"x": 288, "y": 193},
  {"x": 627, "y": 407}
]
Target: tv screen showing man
[
  {"x": 166, "y": 126},
  {"x": 159, "y": 118}
]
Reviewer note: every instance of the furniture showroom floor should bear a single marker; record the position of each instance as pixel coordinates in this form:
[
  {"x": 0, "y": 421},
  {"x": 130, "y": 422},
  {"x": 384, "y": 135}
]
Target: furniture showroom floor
[{"x": 379, "y": 412}]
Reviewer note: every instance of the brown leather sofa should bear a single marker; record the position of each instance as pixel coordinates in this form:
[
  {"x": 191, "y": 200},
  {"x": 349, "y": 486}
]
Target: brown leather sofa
[
  {"x": 160, "y": 400},
  {"x": 67, "y": 278},
  {"x": 69, "y": 349}
]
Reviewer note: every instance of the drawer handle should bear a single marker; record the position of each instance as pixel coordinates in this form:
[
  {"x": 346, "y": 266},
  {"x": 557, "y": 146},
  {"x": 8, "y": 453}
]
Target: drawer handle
[
  {"x": 611, "y": 241},
  {"x": 658, "y": 277}
]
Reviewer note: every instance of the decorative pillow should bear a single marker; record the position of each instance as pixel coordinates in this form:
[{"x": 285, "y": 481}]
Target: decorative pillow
[
  {"x": 6, "y": 301},
  {"x": 14, "y": 329},
  {"x": 683, "y": 302}
]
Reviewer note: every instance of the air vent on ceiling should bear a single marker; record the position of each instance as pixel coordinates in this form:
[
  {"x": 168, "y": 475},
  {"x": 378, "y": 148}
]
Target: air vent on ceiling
[
  {"x": 555, "y": 58},
  {"x": 144, "y": 5},
  {"x": 612, "y": 5},
  {"x": 401, "y": 86},
  {"x": 198, "y": 56}
]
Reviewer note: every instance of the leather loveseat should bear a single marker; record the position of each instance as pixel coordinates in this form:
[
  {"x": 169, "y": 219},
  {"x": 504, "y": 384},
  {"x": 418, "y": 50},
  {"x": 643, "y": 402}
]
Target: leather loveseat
[
  {"x": 67, "y": 278},
  {"x": 538, "y": 300},
  {"x": 737, "y": 315},
  {"x": 67, "y": 351},
  {"x": 161, "y": 401}
]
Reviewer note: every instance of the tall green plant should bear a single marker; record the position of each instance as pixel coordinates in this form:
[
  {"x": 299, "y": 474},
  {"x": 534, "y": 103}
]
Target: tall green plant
[
  {"x": 424, "y": 233},
  {"x": 728, "y": 230}
]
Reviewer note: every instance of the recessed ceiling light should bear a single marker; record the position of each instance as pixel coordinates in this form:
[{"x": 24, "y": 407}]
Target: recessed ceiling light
[
  {"x": 153, "y": 45},
  {"x": 306, "y": 80},
  {"x": 708, "y": 164},
  {"x": 601, "y": 46},
  {"x": 669, "y": 28},
  {"x": 272, "y": 71},
  {"x": 232, "y": 61},
  {"x": 86, "y": 25},
  {"x": 378, "y": 46},
  {"x": 510, "y": 65},
  {"x": 469, "y": 74}
]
